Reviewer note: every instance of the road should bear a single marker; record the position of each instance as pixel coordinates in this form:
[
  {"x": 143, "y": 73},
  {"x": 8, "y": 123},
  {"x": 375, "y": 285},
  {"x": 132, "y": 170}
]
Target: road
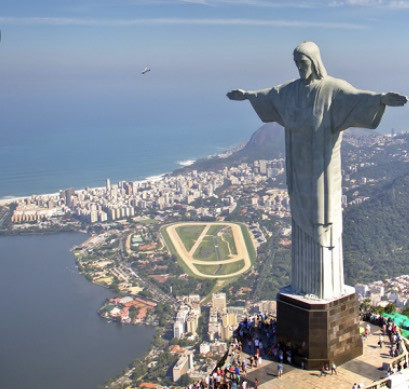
[{"x": 157, "y": 293}]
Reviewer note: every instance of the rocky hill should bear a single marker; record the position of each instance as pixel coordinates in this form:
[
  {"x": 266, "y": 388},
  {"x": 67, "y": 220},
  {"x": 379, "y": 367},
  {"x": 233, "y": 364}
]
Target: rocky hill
[{"x": 268, "y": 143}]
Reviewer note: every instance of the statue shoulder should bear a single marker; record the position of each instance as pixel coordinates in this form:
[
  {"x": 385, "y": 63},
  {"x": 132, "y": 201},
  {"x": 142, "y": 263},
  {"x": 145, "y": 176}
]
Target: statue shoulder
[
  {"x": 286, "y": 87},
  {"x": 289, "y": 84},
  {"x": 336, "y": 84}
]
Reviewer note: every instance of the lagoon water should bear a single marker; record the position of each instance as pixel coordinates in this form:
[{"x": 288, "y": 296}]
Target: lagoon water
[{"x": 50, "y": 333}]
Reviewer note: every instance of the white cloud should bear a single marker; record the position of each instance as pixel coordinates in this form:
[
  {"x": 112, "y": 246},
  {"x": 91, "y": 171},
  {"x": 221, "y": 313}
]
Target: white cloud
[
  {"x": 250, "y": 3},
  {"x": 398, "y": 4},
  {"x": 59, "y": 21},
  {"x": 391, "y": 4},
  {"x": 266, "y": 3}
]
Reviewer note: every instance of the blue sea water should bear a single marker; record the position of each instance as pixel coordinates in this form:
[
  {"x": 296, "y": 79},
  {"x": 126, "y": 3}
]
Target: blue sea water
[{"x": 47, "y": 159}]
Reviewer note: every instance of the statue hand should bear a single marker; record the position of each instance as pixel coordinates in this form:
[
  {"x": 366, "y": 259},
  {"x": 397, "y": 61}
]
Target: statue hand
[
  {"x": 393, "y": 99},
  {"x": 237, "y": 94}
]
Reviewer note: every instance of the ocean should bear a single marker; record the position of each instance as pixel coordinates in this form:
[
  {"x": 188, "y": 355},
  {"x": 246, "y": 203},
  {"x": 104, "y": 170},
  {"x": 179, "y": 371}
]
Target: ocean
[{"x": 47, "y": 157}]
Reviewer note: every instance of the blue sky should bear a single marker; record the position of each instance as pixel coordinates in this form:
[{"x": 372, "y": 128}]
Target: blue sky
[{"x": 81, "y": 60}]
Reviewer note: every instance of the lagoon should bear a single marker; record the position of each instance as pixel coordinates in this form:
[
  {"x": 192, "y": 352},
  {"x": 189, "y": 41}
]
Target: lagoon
[{"x": 51, "y": 335}]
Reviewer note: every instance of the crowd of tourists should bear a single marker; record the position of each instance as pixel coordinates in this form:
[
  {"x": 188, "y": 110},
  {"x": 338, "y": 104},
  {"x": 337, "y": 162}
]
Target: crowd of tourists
[
  {"x": 389, "y": 331},
  {"x": 255, "y": 340},
  {"x": 389, "y": 334}
]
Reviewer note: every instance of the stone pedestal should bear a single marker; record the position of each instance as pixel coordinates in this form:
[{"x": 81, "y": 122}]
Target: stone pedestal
[{"x": 319, "y": 332}]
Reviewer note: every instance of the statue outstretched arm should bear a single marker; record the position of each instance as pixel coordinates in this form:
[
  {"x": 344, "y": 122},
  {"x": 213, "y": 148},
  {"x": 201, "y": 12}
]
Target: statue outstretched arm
[
  {"x": 239, "y": 94},
  {"x": 393, "y": 99}
]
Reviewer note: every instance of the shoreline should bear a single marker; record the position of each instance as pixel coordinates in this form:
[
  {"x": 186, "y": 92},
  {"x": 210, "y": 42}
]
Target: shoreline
[{"x": 10, "y": 199}]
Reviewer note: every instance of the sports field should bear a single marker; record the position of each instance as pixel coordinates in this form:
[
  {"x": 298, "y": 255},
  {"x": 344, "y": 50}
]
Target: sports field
[{"x": 210, "y": 250}]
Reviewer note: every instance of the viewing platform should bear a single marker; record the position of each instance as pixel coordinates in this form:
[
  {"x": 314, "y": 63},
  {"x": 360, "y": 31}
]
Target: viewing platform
[{"x": 369, "y": 369}]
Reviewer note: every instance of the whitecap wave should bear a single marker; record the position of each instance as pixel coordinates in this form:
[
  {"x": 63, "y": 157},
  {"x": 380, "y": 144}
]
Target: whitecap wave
[
  {"x": 155, "y": 178},
  {"x": 188, "y": 162}
]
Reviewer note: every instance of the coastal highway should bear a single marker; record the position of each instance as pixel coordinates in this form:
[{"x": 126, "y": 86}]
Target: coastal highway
[{"x": 158, "y": 294}]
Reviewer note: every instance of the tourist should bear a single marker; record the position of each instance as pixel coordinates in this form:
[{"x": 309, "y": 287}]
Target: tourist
[
  {"x": 392, "y": 352},
  {"x": 368, "y": 328},
  {"x": 280, "y": 356},
  {"x": 279, "y": 370},
  {"x": 322, "y": 371},
  {"x": 256, "y": 383},
  {"x": 256, "y": 357},
  {"x": 244, "y": 366},
  {"x": 256, "y": 345},
  {"x": 237, "y": 371},
  {"x": 289, "y": 358},
  {"x": 334, "y": 368},
  {"x": 380, "y": 341}
]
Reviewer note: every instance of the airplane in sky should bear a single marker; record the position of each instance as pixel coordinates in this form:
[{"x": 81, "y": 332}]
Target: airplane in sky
[{"x": 146, "y": 70}]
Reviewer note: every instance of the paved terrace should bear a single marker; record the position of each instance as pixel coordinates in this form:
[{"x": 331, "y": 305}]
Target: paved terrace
[{"x": 362, "y": 370}]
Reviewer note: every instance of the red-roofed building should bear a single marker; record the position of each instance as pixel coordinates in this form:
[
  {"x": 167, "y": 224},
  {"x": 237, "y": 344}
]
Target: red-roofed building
[
  {"x": 148, "y": 385},
  {"x": 176, "y": 349},
  {"x": 148, "y": 246},
  {"x": 149, "y": 303},
  {"x": 142, "y": 313}
]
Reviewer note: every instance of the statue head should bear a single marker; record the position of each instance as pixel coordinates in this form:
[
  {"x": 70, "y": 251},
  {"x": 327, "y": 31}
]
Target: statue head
[{"x": 308, "y": 59}]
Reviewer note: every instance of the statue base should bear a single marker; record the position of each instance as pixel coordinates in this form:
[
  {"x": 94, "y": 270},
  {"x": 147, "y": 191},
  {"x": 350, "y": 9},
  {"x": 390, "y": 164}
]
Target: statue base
[{"x": 319, "y": 331}]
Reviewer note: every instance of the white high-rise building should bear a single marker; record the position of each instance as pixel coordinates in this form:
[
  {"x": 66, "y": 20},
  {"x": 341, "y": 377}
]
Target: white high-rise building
[{"x": 219, "y": 302}]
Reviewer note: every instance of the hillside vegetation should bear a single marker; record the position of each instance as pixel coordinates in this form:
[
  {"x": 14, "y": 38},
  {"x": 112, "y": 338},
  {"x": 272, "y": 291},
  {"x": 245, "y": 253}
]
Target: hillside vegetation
[{"x": 376, "y": 234}]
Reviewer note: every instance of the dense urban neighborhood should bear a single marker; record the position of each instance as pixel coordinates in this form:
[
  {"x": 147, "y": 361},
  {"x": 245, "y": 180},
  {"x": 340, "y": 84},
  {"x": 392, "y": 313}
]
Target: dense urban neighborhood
[{"x": 197, "y": 303}]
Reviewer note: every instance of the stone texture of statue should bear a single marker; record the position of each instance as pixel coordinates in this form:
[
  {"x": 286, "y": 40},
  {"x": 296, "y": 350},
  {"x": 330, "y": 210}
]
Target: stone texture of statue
[{"x": 314, "y": 110}]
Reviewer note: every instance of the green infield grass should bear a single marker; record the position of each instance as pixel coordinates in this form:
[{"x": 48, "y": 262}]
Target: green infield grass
[
  {"x": 189, "y": 235},
  {"x": 206, "y": 250},
  {"x": 213, "y": 230},
  {"x": 230, "y": 268},
  {"x": 228, "y": 237},
  {"x": 210, "y": 270}
]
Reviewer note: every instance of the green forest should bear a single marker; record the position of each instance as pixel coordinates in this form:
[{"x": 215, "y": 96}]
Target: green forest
[{"x": 376, "y": 244}]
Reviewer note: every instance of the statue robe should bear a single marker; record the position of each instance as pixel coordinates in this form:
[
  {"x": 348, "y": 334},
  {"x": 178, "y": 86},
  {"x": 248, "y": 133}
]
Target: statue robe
[{"x": 313, "y": 117}]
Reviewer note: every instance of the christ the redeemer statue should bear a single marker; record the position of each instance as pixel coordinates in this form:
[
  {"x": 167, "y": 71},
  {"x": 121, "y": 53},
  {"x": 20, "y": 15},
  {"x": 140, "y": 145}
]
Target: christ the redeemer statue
[{"x": 314, "y": 110}]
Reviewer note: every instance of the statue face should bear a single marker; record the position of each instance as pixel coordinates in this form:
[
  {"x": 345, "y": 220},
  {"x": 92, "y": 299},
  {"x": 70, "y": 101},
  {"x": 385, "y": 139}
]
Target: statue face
[{"x": 304, "y": 66}]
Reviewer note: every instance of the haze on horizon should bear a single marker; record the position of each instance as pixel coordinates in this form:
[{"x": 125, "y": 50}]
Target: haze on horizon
[{"x": 76, "y": 64}]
